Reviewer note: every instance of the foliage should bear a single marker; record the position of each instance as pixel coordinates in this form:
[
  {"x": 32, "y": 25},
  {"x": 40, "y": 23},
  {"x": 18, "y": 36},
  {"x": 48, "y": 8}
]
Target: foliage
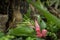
[{"x": 26, "y": 29}]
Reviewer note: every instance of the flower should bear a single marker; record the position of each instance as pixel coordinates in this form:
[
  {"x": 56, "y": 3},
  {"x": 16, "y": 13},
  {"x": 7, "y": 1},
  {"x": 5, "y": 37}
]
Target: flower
[{"x": 44, "y": 32}]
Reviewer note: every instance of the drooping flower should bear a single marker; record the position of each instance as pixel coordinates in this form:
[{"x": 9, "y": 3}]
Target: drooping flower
[{"x": 37, "y": 28}]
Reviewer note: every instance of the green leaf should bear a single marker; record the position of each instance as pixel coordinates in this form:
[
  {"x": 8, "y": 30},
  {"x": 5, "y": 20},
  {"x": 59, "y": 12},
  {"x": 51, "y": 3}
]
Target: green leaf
[
  {"x": 43, "y": 25},
  {"x": 21, "y": 30},
  {"x": 29, "y": 38},
  {"x": 7, "y": 37},
  {"x": 39, "y": 39}
]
